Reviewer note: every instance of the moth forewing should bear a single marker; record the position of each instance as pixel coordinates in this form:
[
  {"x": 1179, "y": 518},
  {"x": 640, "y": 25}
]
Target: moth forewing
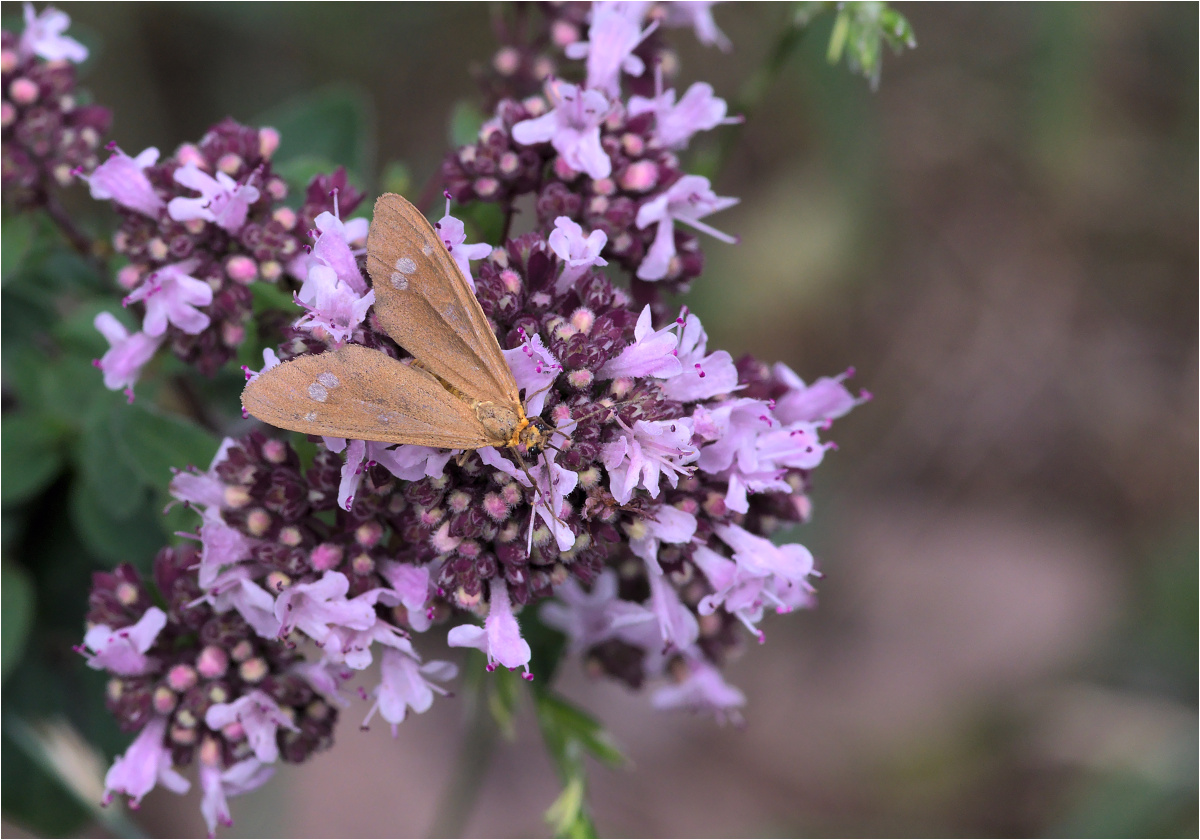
[
  {"x": 363, "y": 394},
  {"x": 424, "y": 303}
]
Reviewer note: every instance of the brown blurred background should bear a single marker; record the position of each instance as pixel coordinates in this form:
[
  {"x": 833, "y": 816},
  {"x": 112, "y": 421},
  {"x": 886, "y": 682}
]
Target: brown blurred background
[{"x": 1003, "y": 241}]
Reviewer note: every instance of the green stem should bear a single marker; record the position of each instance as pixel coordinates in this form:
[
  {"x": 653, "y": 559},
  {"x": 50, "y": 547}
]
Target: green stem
[{"x": 474, "y": 757}]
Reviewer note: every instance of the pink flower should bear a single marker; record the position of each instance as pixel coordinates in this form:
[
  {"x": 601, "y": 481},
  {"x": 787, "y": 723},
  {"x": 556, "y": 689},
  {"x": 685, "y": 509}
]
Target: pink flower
[
  {"x": 406, "y": 461},
  {"x": 577, "y": 252},
  {"x": 219, "y": 784},
  {"x": 743, "y": 589},
  {"x": 127, "y": 354},
  {"x": 665, "y": 524},
  {"x": 826, "y": 399},
  {"x": 703, "y": 689},
  {"x": 204, "y": 489},
  {"x": 353, "y": 647},
  {"x": 409, "y": 461},
  {"x": 123, "y": 179},
  {"x": 123, "y": 651},
  {"x": 653, "y": 352},
  {"x": 688, "y": 200},
  {"x": 453, "y": 234},
  {"x": 534, "y": 368},
  {"x": 589, "y": 618},
  {"x": 552, "y": 484},
  {"x": 233, "y": 590},
  {"x": 333, "y": 306},
  {"x": 674, "y": 124},
  {"x": 407, "y": 684},
  {"x": 146, "y": 763},
  {"x": 171, "y": 295},
  {"x": 43, "y": 36},
  {"x": 703, "y": 376},
  {"x": 647, "y": 452},
  {"x": 500, "y": 636},
  {"x": 698, "y": 15},
  {"x": 572, "y": 127},
  {"x": 614, "y": 33},
  {"x": 222, "y": 201},
  {"x": 332, "y": 248},
  {"x": 676, "y": 622},
  {"x": 312, "y": 607},
  {"x": 412, "y": 587},
  {"x": 260, "y": 718},
  {"x": 220, "y": 545},
  {"x": 324, "y": 678}
]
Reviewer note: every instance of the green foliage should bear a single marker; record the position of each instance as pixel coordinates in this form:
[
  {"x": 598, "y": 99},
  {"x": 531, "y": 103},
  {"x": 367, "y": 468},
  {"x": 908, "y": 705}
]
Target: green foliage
[
  {"x": 16, "y": 615},
  {"x": 569, "y": 734},
  {"x": 860, "y": 31},
  {"x": 320, "y": 131}
]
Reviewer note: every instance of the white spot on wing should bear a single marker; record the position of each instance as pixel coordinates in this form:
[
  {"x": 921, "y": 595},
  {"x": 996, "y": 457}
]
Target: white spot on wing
[
  {"x": 328, "y": 380},
  {"x": 318, "y": 392},
  {"x": 405, "y": 266},
  {"x": 399, "y": 280},
  {"x": 311, "y": 417},
  {"x": 427, "y": 249}
]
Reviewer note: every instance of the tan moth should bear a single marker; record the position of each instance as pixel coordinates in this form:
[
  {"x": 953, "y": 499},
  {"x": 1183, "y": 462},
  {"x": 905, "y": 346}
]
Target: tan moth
[{"x": 461, "y": 394}]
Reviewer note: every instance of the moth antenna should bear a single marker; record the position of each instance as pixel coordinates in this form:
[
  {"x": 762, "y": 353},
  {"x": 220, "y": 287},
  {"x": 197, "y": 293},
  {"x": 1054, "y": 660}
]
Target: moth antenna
[{"x": 541, "y": 390}]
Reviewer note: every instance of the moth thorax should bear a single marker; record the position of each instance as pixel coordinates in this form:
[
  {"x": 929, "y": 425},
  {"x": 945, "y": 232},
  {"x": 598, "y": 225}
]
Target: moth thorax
[
  {"x": 499, "y": 421},
  {"x": 534, "y": 437}
]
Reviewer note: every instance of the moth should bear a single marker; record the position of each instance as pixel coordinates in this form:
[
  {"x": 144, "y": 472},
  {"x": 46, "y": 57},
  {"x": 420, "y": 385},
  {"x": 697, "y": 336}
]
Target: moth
[{"x": 459, "y": 394}]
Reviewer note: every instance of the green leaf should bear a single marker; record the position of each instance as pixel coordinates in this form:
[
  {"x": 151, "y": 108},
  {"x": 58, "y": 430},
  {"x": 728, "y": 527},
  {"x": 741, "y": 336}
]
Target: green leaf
[
  {"x": 298, "y": 171},
  {"x": 569, "y": 732},
  {"x": 31, "y": 455},
  {"x": 465, "y": 121},
  {"x": 134, "y": 539},
  {"x": 569, "y": 723},
  {"x": 567, "y": 815},
  {"x": 152, "y": 443},
  {"x": 860, "y": 31},
  {"x": 16, "y": 615},
  {"x": 104, "y": 467},
  {"x": 16, "y": 240},
  {"x": 333, "y": 124}
]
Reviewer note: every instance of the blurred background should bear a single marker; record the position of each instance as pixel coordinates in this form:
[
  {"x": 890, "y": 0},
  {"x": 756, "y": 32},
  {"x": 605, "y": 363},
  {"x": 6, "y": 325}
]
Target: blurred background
[{"x": 1003, "y": 241}]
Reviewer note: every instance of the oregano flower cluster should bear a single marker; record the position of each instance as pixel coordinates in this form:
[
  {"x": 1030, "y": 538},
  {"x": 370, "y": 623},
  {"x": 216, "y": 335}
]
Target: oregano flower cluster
[{"x": 643, "y": 535}]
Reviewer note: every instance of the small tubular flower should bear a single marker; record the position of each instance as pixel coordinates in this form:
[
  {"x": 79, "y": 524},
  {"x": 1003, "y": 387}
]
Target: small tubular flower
[
  {"x": 259, "y": 718},
  {"x": 500, "y": 636},
  {"x": 688, "y": 200},
  {"x": 123, "y": 651},
  {"x": 43, "y": 36},
  {"x": 646, "y": 453},
  {"x": 127, "y": 354},
  {"x": 145, "y": 764},
  {"x": 171, "y": 295},
  {"x": 222, "y": 201},
  {"x": 652, "y": 353},
  {"x": 123, "y": 179},
  {"x": 572, "y": 127}
]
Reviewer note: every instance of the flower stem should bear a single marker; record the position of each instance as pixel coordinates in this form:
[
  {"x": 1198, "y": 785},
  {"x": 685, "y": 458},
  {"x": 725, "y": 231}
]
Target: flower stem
[{"x": 474, "y": 757}]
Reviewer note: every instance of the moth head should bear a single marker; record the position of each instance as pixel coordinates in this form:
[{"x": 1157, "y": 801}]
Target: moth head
[{"x": 534, "y": 437}]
